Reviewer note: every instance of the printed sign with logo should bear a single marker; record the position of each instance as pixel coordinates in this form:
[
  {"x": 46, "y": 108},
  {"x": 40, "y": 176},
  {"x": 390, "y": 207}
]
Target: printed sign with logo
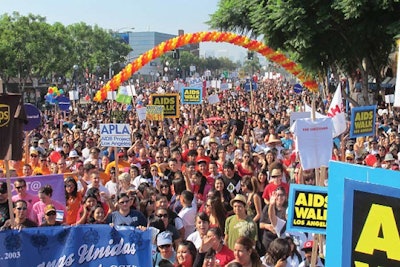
[
  {"x": 115, "y": 134},
  {"x": 170, "y": 103},
  {"x": 4, "y": 114},
  {"x": 34, "y": 116},
  {"x": 362, "y": 121},
  {"x": 154, "y": 112},
  {"x": 63, "y": 103},
  {"x": 191, "y": 95},
  {"x": 307, "y": 208},
  {"x": 364, "y": 216}
]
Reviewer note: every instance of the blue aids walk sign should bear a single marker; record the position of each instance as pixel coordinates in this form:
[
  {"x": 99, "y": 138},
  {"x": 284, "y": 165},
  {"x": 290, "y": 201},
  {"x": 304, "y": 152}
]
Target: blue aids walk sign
[{"x": 363, "y": 216}]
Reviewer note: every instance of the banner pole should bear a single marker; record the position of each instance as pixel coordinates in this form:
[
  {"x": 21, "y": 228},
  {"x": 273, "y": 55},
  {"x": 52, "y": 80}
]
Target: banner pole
[{"x": 9, "y": 194}]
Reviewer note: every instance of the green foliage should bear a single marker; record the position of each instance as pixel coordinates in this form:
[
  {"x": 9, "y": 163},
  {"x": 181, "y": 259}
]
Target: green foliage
[
  {"x": 340, "y": 34},
  {"x": 187, "y": 59},
  {"x": 30, "y": 47}
]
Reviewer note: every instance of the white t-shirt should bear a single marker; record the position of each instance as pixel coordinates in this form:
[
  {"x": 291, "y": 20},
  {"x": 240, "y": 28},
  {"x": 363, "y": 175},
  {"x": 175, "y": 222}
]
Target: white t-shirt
[
  {"x": 188, "y": 215},
  {"x": 195, "y": 238},
  {"x": 314, "y": 141}
]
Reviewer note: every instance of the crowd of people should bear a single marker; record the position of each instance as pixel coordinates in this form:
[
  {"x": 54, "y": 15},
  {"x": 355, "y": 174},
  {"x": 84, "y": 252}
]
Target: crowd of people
[{"x": 214, "y": 191}]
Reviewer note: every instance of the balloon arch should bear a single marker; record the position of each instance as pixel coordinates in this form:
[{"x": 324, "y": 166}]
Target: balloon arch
[{"x": 198, "y": 37}]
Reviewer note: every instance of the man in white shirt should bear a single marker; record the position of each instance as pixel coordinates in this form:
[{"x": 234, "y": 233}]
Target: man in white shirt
[{"x": 188, "y": 212}]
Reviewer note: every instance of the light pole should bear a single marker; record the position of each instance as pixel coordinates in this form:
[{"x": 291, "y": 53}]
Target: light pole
[{"x": 75, "y": 92}]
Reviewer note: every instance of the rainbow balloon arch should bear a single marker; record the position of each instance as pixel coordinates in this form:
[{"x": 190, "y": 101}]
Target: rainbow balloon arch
[{"x": 190, "y": 38}]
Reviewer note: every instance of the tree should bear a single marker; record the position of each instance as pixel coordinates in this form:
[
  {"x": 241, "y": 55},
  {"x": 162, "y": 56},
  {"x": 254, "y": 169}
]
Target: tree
[
  {"x": 343, "y": 35},
  {"x": 30, "y": 47}
]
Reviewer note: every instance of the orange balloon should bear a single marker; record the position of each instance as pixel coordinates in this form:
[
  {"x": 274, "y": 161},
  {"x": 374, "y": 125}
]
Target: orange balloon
[{"x": 198, "y": 37}]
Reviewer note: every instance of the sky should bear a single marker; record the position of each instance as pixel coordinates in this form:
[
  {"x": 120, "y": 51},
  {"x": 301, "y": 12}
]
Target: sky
[{"x": 166, "y": 16}]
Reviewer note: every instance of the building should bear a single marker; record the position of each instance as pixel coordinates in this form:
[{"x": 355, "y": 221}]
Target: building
[{"x": 141, "y": 42}]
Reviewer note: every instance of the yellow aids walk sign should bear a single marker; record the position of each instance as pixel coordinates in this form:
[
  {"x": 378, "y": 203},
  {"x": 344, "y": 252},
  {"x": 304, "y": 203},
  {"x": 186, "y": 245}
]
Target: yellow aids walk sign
[
  {"x": 307, "y": 210},
  {"x": 170, "y": 103}
]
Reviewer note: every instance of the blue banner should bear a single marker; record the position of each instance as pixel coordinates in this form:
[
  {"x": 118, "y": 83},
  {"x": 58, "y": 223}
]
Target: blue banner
[{"x": 84, "y": 245}]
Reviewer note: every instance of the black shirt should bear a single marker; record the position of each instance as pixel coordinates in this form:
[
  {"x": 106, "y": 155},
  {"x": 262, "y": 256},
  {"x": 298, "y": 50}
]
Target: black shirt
[{"x": 4, "y": 213}]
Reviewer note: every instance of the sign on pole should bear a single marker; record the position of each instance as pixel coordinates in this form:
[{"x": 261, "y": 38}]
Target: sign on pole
[
  {"x": 362, "y": 121},
  {"x": 155, "y": 112},
  {"x": 307, "y": 208},
  {"x": 170, "y": 103},
  {"x": 115, "y": 134},
  {"x": 191, "y": 95}
]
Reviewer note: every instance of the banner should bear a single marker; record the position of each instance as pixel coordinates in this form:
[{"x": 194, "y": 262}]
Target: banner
[
  {"x": 307, "y": 208},
  {"x": 115, "y": 134},
  {"x": 190, "y": 95},
  {"x": 170, "y": 103},
  {"x": 34, "y": 183},
  {"x": 84, "y": 245},
  {"x": 364, "y": 216},
  {"x": 362, "y": 121},
  {"x": 154, "y": 112}
]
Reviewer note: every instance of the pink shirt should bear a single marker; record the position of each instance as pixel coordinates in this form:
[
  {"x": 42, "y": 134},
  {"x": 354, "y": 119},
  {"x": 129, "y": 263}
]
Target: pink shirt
[
  {"x": 30, "y": 200},
  {"x": 38, "y": 210}
]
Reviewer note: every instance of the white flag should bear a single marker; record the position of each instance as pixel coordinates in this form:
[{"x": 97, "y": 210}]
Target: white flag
[
  {"x": 336, "y": 112},
  {"x": 397, "y": 88}
]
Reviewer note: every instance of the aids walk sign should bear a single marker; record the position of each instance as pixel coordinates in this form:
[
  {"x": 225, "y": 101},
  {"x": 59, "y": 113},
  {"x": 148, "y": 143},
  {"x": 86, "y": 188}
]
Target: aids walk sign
[
  {"x": 190, "y": 95},
  {"x": 364, "y": 217},
  {"x": 362, "y": 121},
  {"x": 307, "y": 210},
  {"x": 170, "y": 103},
  {"x": 115, "y": 135}
]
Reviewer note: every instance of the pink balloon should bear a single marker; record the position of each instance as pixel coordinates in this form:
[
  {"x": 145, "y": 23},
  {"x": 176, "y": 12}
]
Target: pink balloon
[
  {"x": 370, "y": 160},
  {"x": 55, "y": 156}
]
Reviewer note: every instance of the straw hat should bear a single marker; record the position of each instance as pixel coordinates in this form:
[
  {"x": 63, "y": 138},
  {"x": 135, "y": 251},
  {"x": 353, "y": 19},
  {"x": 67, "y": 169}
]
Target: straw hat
[
  {"x": 239, "y": 198},
  {"x": 272, "y": 140}
]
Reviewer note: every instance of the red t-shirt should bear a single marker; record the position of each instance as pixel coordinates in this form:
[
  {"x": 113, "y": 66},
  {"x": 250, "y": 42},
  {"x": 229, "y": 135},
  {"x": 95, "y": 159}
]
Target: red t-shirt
[
  {"x": 271, "y": 187},
  {"x": 224, "y": 256}
]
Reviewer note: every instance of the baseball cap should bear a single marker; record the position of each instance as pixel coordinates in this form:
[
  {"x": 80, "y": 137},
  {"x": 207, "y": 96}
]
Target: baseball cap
[
  {"x": 164, "y": 238},
  {"x": 224, "y": 136},
  {"x": 308, "y": 245},
  {"x": 49, "y": 208}
]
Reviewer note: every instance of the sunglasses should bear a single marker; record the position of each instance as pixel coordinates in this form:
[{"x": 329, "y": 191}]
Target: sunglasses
[
  {"x": 164, "y": 186},
  {"x": 19, "y": 187},
  {"x": 51, "y": 213},
  {"x": 124, "y": 202},
  {"x": 162, "y": 215},
  {"x": 165, "y": 246},
  {"x": 275, "y": 176},
  {"x": 22, "y": 208},
  {"x": 34, "y": 156}
]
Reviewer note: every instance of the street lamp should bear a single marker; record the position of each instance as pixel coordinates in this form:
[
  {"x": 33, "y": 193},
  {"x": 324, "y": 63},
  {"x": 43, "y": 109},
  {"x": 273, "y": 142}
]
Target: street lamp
[{"x": 75, "y": 76}]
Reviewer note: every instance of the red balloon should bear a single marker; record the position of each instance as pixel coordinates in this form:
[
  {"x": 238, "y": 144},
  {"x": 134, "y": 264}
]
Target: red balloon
[
  {"x": 370, "y": 160},
  {"x": 55, "y": 156}
]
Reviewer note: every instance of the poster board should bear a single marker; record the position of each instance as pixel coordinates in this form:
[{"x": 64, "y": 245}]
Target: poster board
[{"x": 364, "y": 217}]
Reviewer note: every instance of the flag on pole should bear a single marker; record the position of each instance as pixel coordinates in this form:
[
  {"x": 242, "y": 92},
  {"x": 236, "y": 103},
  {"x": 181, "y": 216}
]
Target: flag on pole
[
  {"x": 336, "y": 112},
  {"x": 123, "y": 96},
  {"x": 397, "y": 88}
]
